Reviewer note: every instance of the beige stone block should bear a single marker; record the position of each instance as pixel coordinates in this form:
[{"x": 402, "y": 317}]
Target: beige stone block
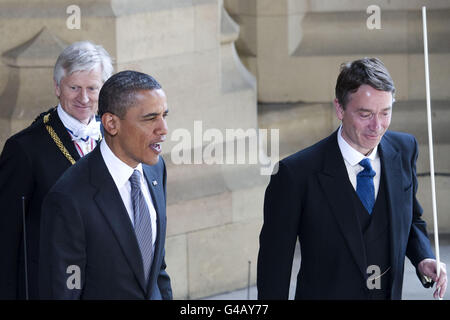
[
  {"x": 19, "y": 124},
  {"x": 278, "y": 37},
  {"x": 243, "y": 176},
  {"x": 250, "y": 64},
  {"x": 8, "y": 97},
  {"x": 206, "y": 25},
  {"x": 315, "y": 77},
  {"x": 134, "y": 42},
  {"x": 176, "y": 261},
  {"x": 300, "y": 125},
  {"x": 271, "y": 8},
  {"x": 272, "y": 37},
  {"x": 190, "y": 80},
  {"x": 313, "y": 80},
  {"x": 237, "y": 111},
  {"x": 100, "y": 29},
  {"x": 35, "y": 93},
  {"x": 295, "y": 7},
  {"x": 416, "y": 77},
  {"x": 439, "y": 76},
  {"x": 441, "y": 153},
  {"x": 198, "y": 214},
  {"x": 218, "y": 257},
  {"x": 231, "y": 111},
  {"x": 438, "y": 30},
  {"x": 40, "y": 51},
  {"x": 4, "y": 71},
  {"x": 341, "y": 33},
  {"x": 442, "y": 203},
  {"x": 234, "y": 76},
  {"x": 248, "y": 203},
  {"x": 246, "y": 44},
  {"x": 28, "y": 21},
  {"x": 257, "y": 7},
  {"x": 411, "y": 117},
  {"x": 239, "y": 7},
  {"x": 361, "y": 5},
  {"x": 5, "y": 131},
  {"x": 192, "y": 181},
  {"x": 28, "y": 92}
]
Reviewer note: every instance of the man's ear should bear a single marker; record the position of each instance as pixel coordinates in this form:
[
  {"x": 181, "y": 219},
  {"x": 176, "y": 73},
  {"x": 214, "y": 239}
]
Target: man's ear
[
  {"x": 339, "y": 109},
  {"x": 57, "y": 89},
  {"x": 111, "y": 123}
]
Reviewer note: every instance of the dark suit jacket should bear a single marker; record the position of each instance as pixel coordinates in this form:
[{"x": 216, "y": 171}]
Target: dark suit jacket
[
  {"x": 30, "y": 164},
  {"x": 85, "y": 224},
  {"x": 309, "y": 198}
]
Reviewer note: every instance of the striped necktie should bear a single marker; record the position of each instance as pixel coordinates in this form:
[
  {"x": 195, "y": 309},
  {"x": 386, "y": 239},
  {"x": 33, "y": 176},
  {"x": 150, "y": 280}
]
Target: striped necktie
[{"x": 142, "y": 222}]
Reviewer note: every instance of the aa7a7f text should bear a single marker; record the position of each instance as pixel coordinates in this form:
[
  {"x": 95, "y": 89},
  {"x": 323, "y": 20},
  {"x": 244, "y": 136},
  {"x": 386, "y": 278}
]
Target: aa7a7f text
[{"x": 229, "y": 309}]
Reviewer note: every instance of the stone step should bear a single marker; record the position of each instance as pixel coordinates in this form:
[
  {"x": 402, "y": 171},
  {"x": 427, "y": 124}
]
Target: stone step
[
  {"x": 441, "y": 154},
  {"x": 442, "y": 203},
  {"x": 411, "y": 117}
]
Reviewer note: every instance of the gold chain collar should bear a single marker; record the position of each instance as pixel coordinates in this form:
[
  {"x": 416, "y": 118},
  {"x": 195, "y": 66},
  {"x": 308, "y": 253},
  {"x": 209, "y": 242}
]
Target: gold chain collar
[{"x": 58, "y": 141}]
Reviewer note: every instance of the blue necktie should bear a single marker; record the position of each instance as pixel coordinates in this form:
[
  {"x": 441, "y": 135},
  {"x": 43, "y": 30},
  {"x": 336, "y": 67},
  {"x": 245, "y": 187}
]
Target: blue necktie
[
  {"x": 142, "y": 222},
  {"x": 364, "y": 185}
]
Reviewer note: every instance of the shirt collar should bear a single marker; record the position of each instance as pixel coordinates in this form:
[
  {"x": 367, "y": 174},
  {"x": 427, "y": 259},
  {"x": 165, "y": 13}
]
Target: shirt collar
[
  {"x": 352, "y": 156},
  {"x": 78, "y": 129},
  {"x": 119, "y": 170}
]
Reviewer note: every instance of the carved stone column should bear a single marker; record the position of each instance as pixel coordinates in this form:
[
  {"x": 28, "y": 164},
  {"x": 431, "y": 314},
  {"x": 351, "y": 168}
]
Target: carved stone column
[{"x": 28, "y": 89}]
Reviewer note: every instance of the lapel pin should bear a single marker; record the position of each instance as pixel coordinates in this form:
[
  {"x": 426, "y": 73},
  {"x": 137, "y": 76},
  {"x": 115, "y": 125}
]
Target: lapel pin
[{"x": 154, "y": 182}]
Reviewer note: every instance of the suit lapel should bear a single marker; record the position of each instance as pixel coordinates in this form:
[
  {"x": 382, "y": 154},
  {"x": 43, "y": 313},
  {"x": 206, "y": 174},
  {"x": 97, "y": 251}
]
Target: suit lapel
[
  {"x": 155, "y": 185},
  {"x": 391, "y": 168},
  {"x": 110, "y": 203},
  {"x": 337, "y": 187}
]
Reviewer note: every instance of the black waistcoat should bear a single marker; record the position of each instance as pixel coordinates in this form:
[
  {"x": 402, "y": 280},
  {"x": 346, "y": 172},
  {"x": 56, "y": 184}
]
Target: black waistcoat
[{"x": 375, "y": 233}]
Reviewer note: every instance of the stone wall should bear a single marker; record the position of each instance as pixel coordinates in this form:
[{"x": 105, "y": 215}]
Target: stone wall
[
  {"x": 200, "y": 54},
  {"x": 214, "y": 212},
  {"x": 295, "y": 47}
]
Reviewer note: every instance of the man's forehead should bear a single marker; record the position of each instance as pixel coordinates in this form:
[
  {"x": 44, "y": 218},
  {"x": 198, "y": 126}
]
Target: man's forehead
[
  {"x": 151, "y": 101},
  {"x": 94, "y": 71}
]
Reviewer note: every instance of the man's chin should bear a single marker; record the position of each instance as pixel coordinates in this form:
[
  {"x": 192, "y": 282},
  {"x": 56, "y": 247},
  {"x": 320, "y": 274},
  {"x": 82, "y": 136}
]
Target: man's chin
[{"x": 151, "y": 161}]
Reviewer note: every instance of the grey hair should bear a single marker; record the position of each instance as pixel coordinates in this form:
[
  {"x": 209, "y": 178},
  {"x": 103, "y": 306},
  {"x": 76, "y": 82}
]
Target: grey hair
[{"x": 82, "y": 56}]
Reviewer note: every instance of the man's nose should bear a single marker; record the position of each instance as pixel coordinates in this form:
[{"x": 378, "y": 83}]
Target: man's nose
[
  {"x": 375, "y": 123},
  {"x": 163, "y": 129},
  {"x": 83, "y": 96}
]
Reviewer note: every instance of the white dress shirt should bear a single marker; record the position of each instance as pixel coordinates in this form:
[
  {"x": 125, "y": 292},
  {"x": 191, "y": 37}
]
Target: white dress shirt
[
  {"x": 352, "y": 158},
  {"x": 121, "y": 174},
  {"x": 83, "y": 135}
]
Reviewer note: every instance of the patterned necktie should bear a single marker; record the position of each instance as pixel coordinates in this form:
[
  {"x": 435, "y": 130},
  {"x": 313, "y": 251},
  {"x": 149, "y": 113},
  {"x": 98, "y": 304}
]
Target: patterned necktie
[
  {"x": 364, "y": 185},
  {"x": 142, "y": 222}
]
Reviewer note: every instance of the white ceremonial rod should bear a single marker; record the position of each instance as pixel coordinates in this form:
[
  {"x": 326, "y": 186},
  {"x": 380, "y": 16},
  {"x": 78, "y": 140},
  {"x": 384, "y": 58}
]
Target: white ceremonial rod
[{"x": 430, "y": 140}]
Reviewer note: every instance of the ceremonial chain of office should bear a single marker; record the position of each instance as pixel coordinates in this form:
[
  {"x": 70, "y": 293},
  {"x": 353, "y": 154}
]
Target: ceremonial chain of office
[{"x": 57, "y": 140}]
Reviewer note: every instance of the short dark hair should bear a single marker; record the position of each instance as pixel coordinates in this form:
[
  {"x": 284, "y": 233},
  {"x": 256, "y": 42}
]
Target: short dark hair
[
  {"x": 369, "y": 71},
  {"x": 118, "y": 93}
]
